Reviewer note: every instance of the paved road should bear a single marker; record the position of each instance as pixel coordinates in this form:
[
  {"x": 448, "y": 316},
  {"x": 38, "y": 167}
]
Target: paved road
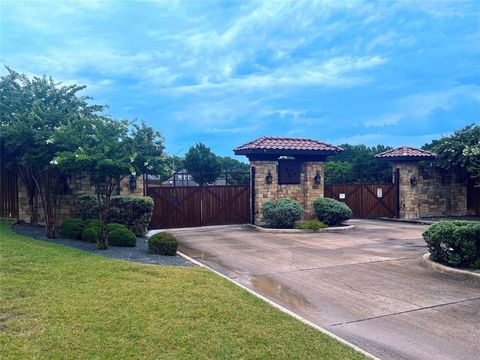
[{"x": 366, "y": 285}]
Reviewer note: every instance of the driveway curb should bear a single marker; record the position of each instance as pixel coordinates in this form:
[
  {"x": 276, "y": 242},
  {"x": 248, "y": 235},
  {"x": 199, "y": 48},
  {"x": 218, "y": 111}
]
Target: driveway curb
[
  {"x": 300, "y": 231},
  {"x": 457, "y": 273},
  {"x": 281, "y": 308}
]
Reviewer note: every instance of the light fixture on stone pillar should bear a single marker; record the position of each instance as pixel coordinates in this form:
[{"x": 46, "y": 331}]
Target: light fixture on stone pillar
[
  {"x": 317, "y": 179},
  {"x": 132, "y": 183},
  {"x": 413, "y": 181},
  {"x": 269, "y": 178}
]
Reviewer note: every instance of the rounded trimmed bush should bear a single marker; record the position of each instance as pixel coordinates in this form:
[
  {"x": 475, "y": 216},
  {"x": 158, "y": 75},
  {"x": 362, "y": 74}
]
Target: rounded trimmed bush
[
  {"x": 72, "y": 228},
  {"x": 93, "y": 222},
  {"x": 331, "y": 211},
  {"x": 115, "y": 226},
  {"x": 122, "y": 237},
  {"x": 282, "y": 213},
  {"x": 91, "y": 234},
  {"x": 163, "y": 244},
  {"x": 454, "y": 243}
]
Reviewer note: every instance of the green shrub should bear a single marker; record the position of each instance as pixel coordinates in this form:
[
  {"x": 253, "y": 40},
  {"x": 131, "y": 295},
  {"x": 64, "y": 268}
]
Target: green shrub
[
  {"x": 91, "y": 234},
  {"x": 282, "y": 213},
  {"x": 134, "y": 212},
  {"x": 86, "y": 207},
  {"x": 331, "y": 211},
  {"x": 72, "y": 228},
  {"x": 454, "y": 243},
  {"x": 162, "y": 244},
  {"x": 122, "y": 237},
  {"x": 311, "y": 225},
  {"x": 115, "y": 226},
  {"x": 93, "y": 223}
]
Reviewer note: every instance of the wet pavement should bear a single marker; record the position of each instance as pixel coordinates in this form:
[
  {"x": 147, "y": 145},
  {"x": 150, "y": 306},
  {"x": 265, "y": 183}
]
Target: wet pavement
[{"x": 366, "y": 285}]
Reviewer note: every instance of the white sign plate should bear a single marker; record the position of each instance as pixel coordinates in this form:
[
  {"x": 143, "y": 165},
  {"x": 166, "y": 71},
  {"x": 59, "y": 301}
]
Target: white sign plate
[
  {"x": 379, "y": 192},
  {"x": 341, "y": 196}
]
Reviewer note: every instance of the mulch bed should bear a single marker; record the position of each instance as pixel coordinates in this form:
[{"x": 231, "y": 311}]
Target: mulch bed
[{"x": 138, "y": 253}]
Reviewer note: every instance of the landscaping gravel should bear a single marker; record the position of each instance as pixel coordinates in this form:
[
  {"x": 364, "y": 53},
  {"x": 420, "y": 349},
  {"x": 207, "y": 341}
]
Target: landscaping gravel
[{"x": 137, "y": 254}]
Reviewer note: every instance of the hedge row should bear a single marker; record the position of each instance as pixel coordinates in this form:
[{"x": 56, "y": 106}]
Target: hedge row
[
  {"x": 91, "y": 231},
  {"x": 134, "y": 212}
]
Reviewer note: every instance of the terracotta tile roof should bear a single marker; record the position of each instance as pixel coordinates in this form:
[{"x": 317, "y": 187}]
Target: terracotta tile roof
[
  {"x": 406, "y": 152},
  {"x": 284, "y": 143}
]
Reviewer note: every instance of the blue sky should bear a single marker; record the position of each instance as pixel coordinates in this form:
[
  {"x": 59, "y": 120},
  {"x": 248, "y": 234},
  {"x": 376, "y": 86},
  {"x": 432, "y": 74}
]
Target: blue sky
[{"x": 226, "y": 72}]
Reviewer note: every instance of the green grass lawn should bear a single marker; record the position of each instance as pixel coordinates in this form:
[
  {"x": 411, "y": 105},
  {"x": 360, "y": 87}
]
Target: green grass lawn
[{"x": 58, "y": 302}]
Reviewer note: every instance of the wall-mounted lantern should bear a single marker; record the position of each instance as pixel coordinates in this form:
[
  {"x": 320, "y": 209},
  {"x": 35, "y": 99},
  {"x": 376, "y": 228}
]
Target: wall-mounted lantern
[
  {"x": 269, "y": 178},
  {"x": 132, "y": 183},
  {"x": 317, "y": 179},
  {"x": 413, "y": 181}
]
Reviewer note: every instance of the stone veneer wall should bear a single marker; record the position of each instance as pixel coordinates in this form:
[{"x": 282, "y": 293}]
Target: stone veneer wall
[
  {"x": 78, "y": 186},
  {"x": 305, "y": 192},
  {"x": 436, "y": 194}
]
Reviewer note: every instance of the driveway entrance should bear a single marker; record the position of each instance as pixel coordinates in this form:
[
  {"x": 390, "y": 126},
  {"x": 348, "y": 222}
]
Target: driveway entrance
[{"x": 367, "y": 285}]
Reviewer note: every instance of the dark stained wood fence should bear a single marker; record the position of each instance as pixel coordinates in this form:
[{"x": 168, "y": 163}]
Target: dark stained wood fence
[
  {"x": 366, "y": 200},
  {"x": 8, "y": 190},
  {"x": 190, "y": 206}
]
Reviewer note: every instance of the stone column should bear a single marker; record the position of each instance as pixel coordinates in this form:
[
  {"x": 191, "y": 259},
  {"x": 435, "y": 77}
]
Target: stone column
[
  {"x": 311, "y": 190},
  {"x": 305, "y": 192},
  {"x": 263, "y": 192},
  {"x": 409, "y": 205}
]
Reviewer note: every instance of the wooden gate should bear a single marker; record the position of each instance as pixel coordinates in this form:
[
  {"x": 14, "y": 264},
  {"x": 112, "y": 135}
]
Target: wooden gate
[
  {"x": 367, "y": 200},
  {"x": 184, "y": 203},
  {"x": 473, "y": 198}
]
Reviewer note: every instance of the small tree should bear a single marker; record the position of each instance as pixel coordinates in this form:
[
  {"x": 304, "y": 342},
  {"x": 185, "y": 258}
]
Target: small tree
[
  {"x": 459, "y": 152},
  {"x": 107, "y": 151},
  {"x": 202, "y": 164},
  {"x": 32, "y": 111}
]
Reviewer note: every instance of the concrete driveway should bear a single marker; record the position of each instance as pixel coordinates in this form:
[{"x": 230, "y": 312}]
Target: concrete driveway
[{"x": 366, "y": 285}]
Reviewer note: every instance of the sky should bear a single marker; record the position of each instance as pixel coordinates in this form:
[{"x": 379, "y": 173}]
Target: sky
[{"x": 226, "y": 72}]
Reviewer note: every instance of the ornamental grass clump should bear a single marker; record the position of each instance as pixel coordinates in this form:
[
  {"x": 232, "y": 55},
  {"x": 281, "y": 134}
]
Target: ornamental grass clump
[
  {"x": 163, "y": 244},
  {"x": 454, "y": 243},
  {"x": 314, "y": 225},
  {"x": 331, "y": 211},
  {"x": 282, "y": 213}
]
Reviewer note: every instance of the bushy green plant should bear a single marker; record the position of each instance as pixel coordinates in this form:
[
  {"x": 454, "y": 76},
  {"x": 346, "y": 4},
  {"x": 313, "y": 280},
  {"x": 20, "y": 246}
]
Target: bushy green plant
[
  {"x": 282, "y": 213},
  {"x": 454, "y": 243},
  {"x": 311, "y": 225},
  {"x": 72, "y": 228},
  {"x": 134, "y": 212},
  {"x": 331, "y": 211},
  {"x": 91, "y": 234},
  {"x": 122, "y": 237},
  {"x": 86, "y": 207},
  {"x": 163, "y": 244},
  {"x": 94, "y": 223},
  {"x": 115, "y": 226}
]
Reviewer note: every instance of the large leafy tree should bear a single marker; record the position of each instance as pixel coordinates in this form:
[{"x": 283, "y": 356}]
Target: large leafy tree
[
  {"x": 459, "y": 152},
  {"x": 234, "y": 171},
  {"x": 107, "y": 151},
  {"x": 32, "y": 112},
  {"x": 202, "y": 164}
]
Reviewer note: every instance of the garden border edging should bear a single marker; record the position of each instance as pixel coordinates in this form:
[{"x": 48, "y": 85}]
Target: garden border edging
[
  {"x": 300, "y": 231},
  {"x": 458, "y": 273}
]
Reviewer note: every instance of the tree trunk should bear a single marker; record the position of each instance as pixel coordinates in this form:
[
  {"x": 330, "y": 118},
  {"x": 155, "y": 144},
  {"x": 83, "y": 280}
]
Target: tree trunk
[{"x": 33, "y": 205}]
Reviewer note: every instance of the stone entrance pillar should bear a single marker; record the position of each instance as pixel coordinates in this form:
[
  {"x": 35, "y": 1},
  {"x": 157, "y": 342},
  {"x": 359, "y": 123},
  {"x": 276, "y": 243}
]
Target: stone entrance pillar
[{"x": 266, "y": 157}]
